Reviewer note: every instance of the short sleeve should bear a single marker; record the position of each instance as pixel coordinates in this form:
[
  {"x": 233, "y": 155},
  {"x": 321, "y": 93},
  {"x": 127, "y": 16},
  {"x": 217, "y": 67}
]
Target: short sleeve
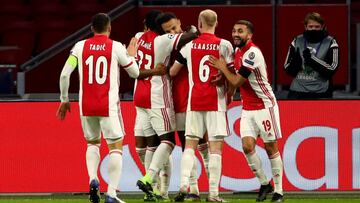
[
  {"x": 76, "y": 50},
  {"x": 252, "y": 58},
  {"x": 227, "y": 51},
  {"x": 123, "y": 58},
  {"x": 169, "y": 42}
]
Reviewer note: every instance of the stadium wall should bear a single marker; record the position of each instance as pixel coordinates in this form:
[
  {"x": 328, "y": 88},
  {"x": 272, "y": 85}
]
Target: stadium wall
[
  {"x": 289, "y": 23},
  {"x": 320, "y": 149}
]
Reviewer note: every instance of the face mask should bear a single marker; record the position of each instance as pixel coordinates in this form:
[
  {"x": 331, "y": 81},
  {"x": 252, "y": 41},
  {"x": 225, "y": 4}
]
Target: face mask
[{"x": 314, "y": 36}]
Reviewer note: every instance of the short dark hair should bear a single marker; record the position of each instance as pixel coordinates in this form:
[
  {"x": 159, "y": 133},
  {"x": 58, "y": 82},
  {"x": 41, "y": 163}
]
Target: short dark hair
[
  {"x": 315, "y": 17},
  {"x": 150, "y": 19},
  {"x": 248, "y": 24},
  {"x": 100, "y": 22},
  {"x": 165, "y": 17}
]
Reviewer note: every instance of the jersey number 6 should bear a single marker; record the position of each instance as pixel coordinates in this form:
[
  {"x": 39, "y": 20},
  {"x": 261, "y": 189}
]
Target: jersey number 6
[{"x": 204, "y": 69}]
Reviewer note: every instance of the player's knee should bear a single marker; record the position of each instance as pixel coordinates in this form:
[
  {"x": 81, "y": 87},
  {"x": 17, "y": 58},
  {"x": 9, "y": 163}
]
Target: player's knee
[
  {"x": 168, "y": 137},
  {"x": 93, "y": 141},
  {"x": 248, "y": 148},
  {"x": 113, "y": 140}
]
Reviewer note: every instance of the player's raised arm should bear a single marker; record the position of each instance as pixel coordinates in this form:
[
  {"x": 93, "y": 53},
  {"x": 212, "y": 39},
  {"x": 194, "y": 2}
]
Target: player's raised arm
[{"x": 185, "y": 38}]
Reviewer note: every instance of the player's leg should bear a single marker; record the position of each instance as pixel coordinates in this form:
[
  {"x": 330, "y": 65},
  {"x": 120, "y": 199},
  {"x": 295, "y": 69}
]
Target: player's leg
[
  {"x": 193, "y": 182},
  {"x": 203, "y": 148},
  {"x": 249, "y": 132},
  {"x": 163, "y": 122},
  {"x": 194, "y": 130},
  {"x": 92, "y": 133},
  {"x": 217, "y": 128},
  {"x": 270, "y": 134},
  {"x": 277, "y": 170},
  {"x": 113, "y": 131},
  {"x": 187, "y": 162},
  {"x": 143, "y": 127},
  {"x": 141, "y": 145},
  {"x": 164, "y": 175},
  {"x": 180, "y": 128}
]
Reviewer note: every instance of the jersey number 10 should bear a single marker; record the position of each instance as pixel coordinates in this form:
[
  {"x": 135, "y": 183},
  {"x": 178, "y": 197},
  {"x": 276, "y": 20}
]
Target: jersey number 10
[{"x": 100, "y": 62}]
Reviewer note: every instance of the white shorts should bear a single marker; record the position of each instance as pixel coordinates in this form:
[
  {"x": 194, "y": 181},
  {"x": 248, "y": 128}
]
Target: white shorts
[
  {"x": 264, "y": 123},
  {"x": 154, "y": 121},
  {"x": 212, "y": 122},
  {"x": 180, "y": 119},
  {"x": 112, "y": 127}
]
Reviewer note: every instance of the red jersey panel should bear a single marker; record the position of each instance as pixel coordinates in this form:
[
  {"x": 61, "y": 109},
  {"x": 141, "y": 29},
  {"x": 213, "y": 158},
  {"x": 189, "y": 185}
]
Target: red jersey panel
[
  {"x": 180, "y": 90},
  {"x": 142, "y": 94},
  {"x": 155, "y": 91},
  {"x": 203, "y": 95},
  {"x": 96, "y": 78}
]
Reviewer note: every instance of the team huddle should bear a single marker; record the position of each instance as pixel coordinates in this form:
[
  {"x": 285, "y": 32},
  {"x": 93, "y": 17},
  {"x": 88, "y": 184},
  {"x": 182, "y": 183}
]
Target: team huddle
[{"x": 184, "y": 82}]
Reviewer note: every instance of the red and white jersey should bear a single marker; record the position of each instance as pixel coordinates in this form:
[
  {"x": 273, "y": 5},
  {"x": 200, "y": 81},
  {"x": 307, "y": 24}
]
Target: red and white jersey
[
  {"x": 203, "y": 95},
  {"x": 256, "y": 92},
  {"x": 155, "y": 91},
  {"x": 180, "y": 90},
  {"x": 98, "y": 61}
]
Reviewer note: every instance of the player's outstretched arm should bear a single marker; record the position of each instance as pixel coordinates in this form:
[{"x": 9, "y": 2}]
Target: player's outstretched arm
[
  {"x": 234, "y": 79},
  {"x": 159, "y": 70},
  {"x": 185, "y": 38}
]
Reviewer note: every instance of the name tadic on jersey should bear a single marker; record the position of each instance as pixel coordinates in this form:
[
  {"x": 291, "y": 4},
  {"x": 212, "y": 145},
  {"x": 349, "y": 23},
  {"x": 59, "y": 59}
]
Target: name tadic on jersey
[{"x": 97, "y": 47}]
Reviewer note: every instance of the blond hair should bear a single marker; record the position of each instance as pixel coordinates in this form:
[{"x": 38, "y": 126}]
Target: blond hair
[{"x": 208, "y": 17}]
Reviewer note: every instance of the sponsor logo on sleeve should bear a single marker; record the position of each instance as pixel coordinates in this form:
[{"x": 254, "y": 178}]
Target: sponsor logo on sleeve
[
  {"x": 170, "y": 36},
  {"x": 249, "y": 62}
]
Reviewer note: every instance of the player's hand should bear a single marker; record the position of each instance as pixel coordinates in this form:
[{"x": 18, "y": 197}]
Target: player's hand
[
  {"x": 217, "y": 63},
  {"x": 192, "y": 29},
  {"x": 132, "y": 47},
  {"x": 160, "y": 69},
  {"x": 63, "y": 108}
]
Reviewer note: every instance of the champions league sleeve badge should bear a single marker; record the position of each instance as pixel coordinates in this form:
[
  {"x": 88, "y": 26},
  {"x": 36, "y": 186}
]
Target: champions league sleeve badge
[{"x": 251, "y": 55}]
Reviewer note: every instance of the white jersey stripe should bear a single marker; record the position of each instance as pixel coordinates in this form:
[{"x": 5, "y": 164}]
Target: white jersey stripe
[
  {"x": 262, "y": 85},
  {"x": 166, "y": 119},
  {"x": 275, "y": 125},
  {"x": 165, "y": 92},
  {"x": 176, "y": 41}
]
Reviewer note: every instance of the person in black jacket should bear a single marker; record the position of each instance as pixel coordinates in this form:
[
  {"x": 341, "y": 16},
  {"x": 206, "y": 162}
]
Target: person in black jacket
[{"x": 312, "y": 60}]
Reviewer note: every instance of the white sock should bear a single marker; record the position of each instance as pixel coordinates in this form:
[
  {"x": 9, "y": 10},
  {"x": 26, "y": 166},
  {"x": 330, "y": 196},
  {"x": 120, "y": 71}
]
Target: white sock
[
  {"x": 255, "y": 164},
  {"x": 148, "y": 157},
  {"x": 204, "y": 152},
  {"x": 160, "y": 157},
  {"x": 114, "y": 170},
  {"x": 277, "y": 172},
  {"x": 165, "y": 175},
  {"x": 215, "y": 166},
  {"x": 187, "y": 161},
  {"x": 93, "y": 160},
  {"x": 141, "y": 153},
  {"x": 194, "y": 188}
]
